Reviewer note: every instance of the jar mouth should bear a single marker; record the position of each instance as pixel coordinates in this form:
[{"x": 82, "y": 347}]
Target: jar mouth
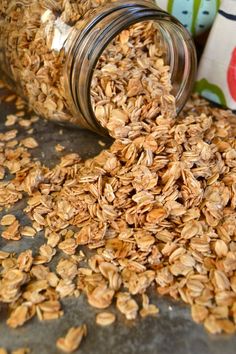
[{"x": 108, "y": 24}]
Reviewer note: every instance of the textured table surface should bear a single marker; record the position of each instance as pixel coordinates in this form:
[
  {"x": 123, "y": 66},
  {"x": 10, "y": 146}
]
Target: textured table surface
[{"x": 172, "y": 331}]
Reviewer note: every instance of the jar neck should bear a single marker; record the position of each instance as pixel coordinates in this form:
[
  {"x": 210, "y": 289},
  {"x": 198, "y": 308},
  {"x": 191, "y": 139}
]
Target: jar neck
[{"x": 87, "y": 45}]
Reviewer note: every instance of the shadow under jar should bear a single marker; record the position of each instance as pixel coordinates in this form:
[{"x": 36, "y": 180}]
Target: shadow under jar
[{"x": 51, "y": 50}]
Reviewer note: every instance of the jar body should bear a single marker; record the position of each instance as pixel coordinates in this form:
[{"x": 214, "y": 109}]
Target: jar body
[{"x": 49, "y": 49}]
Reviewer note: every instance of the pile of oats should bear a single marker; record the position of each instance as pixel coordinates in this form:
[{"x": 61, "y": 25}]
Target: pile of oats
[{"x": 155, "y": 209}]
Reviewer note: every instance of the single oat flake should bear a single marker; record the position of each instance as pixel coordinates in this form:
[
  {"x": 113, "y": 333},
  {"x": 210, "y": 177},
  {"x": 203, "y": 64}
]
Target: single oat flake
[
  {"x": 72, "y": 340},
  {"x": 21, "y": 351},
  {"x": 3, "y": 351},
  {"x": 105, "y": 319},
  {"x": 8, "y": 219}
]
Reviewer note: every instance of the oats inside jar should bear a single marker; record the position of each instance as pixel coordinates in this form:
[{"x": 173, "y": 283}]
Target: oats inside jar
[{"x": 131, "y": 79}]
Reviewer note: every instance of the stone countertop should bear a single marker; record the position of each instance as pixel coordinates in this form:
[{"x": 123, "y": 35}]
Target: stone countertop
[{"x": 171, "y": 332}]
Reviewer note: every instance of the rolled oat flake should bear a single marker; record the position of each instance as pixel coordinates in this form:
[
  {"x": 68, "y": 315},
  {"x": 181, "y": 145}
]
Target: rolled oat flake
[{"x": 92, "y": 62}]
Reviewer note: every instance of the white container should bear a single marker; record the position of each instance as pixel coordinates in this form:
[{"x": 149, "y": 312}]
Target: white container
[{"x": 217, "y": 71}]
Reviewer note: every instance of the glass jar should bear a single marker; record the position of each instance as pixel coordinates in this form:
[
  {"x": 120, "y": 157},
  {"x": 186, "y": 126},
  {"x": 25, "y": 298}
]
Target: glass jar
[{"x": 49, "y": 50}]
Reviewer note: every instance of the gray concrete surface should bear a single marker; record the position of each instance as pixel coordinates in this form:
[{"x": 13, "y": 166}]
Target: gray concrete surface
[{"x": 172, "y": 332}]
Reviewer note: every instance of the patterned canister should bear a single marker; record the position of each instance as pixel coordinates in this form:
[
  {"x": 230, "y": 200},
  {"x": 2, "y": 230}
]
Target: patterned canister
[
  {"x": 196, "y": 15},
  {"x": 217, "y": 71}
]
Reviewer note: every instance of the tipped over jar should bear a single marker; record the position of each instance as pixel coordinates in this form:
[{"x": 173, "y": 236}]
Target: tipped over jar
[{"x": 85, "y": 61}]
